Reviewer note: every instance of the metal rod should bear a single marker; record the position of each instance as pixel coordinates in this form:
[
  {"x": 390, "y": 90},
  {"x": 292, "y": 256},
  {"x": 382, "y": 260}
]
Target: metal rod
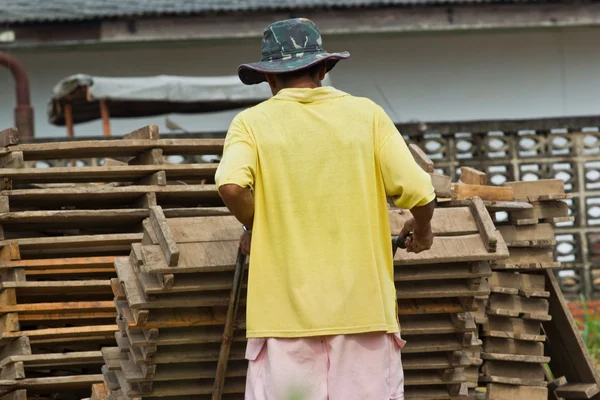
[
  {"x": 69, "y": 119},
  {"x": 104, "y": 111},
  {"x": 234, "y": 301}
]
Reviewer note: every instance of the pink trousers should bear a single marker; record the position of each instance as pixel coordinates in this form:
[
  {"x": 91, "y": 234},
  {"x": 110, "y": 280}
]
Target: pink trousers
[{"x": 365, "y": 366}]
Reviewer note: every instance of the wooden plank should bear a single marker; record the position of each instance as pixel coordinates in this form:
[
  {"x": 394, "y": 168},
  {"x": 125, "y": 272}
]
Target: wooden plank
[
  {"x": 569, "y": 356},
  {"x": 442, "y": 185},
  {"x": 37, "y": 288},
  {"x": 19, "y": 346},
  {"x": 61, "y": 263},
  {"x": 445, "y": 221},
  {"x": 428, "y": 272},
  {"x": 58, "y": 335},
  {"x": 547, "y": 211},
  {"x": 58, "y": 306},
  {"x": 117, "y": 148},
  {"x": 109, "y": 173},
  {"x": 435, "y": 324},
  {"x": 491, "y": 205},
  {"x": 510, "y": 346},
  {"x": 577, "y": 390},
  {"x": 518, "y": 306},
  {"x": 75, "y": 218},
  {"x": 453, "y": 249},
  {"x": 527, "y": 258},
  {"x": 440, "y": 289},
  {"x": 421, "y": 158},
  {"x": 527, "y": 374},
  {"x": 494, "y": 193},
  {"x": 77, "y": 241},
  {"x": 165, "y": 237},
  {"x": 534, "y": 190},
  {"x": 150, "y": 157},
  {"x": 104, "y": 195},
  {"x": 523, "y": 284},
  {"x": 55, "y": 359},
  {"x": 430, "y": 306},
  {"x": 472, "y": 176},
  {"x": 498, "y": 391},
  {"x": 433, "y": 344},
  {"x": 9, "y": 137},
  {"x": 148, "y": 132},
  {"x": 422, "y": 378},
  {"x": 484, "y": 223},
  {"x": 539, "y": 235}
]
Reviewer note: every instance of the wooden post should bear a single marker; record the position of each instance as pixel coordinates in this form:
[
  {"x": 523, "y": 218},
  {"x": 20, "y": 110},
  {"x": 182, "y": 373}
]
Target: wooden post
[
  {"x": 69, "y": 119},
  {"x": 105, "y": 117}
]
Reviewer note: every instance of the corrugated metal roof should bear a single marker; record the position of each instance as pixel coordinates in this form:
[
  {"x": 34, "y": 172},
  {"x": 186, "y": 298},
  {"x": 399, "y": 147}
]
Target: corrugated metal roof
[{"x": 23, "y": 11}]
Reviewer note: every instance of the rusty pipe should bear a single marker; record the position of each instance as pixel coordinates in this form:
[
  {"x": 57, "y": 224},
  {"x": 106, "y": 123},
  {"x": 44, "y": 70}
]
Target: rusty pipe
[{"x": 23, "y": 109}]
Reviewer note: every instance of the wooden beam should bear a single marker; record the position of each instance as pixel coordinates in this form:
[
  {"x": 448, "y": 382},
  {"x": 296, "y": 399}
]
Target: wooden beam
[
  {"x": 105, "y": 113},
  {"x": 9, "y": 137},
  {"x": 569, "y": 356},
  {"x": 472, "y": 176},
  {"x": 149, "y": 132},
  {"x": 493, "y": 193},
  {"x": 421, "y": 158}
]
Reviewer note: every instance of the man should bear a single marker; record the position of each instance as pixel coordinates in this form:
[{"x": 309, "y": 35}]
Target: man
[{"x": 307, "y": 173}]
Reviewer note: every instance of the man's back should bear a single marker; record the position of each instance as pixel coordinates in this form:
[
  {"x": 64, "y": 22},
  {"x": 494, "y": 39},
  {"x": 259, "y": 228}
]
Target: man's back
[{"x": 320, "y": 163}]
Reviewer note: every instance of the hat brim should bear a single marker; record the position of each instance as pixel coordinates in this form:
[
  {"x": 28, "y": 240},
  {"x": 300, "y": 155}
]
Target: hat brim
[{"x": 254, "y": 73}]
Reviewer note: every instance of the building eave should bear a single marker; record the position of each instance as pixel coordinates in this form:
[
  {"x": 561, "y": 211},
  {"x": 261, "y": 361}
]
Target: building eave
[{"x": 398, "y": 20}]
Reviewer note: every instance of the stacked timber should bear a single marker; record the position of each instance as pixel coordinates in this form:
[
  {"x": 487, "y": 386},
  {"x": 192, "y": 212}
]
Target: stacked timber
[
  {"x": 62, "y": 228},
  {"x": 520, "y": 337},
  {"x": 438, "y": 291},
  {"x": 172, "y": 291}
]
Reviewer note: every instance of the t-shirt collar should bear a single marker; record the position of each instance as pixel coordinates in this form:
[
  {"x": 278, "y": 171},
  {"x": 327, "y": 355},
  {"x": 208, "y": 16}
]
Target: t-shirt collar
[{"x": 306, "y": 95}]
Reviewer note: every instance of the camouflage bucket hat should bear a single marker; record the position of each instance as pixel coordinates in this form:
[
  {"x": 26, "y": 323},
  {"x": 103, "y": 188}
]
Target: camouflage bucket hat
[{"x": 287, "y": 46}]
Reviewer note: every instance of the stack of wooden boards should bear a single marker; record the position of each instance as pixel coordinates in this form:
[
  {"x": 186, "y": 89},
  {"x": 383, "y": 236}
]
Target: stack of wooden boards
[
  {"x": 516, "y": 321},
  {"x": 61, "y": 230},
  {"x": 172, "y": 291}
]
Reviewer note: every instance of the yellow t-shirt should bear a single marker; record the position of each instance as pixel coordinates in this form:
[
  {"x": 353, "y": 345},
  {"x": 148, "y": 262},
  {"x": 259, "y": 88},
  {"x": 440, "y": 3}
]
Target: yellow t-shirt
[{"x": 320, "y": 163}]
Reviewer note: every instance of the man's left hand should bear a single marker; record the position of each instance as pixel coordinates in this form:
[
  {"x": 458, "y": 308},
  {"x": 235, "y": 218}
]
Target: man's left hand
[{"x": 245, "y": 241}]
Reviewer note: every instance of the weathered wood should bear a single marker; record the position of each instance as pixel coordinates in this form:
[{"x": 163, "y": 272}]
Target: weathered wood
[
  {"x": 539, "y": 235},
  {"x": 157, "y": 178},
  {"x": 527, "y": 285},
  {"x": 14, "y": 159},
  {"x": 148, "y": 132},
  {"x": 101, "y": 196},
  {"x": 445, "y": 221},
  {"x": 435, "y": 324},
  {"x": 528, "y": 374},
  {"x": 111, "y": 171},
  {"x": 547, "y": 211},
  {"x": 577, "y": 390},
  {"x": 510, "y": 346},
  {"x": 434, "y": 344},
  {"x": 492, "y": 193},
  {"x": 472, "y": 176},
  {"x": 420, "y": 378},
  {"x": 421, "y": 158},
  {"x": 9, "y": 137},
  {"x": 453, "y": 249},
  {"x": 165, "y": 238},
  {"x": 535, "y": 190},
  {"x": 484, "y": 222},
  {"x": 498, "y": 391},
  {"x": 75, "y": 218},
  {"x": 527, "y": 258},
  {"x": 116, "y": 148},
  {"x": 518, "y": 306},
  {"x": 568, "y": 353},
  {"x": 20, "y": 346},
  {"x": 442, "y": 185},
  {"x": 150, "y": 157},
  {"x": 440, "y": 289},
  {"x": 442, "y": 271},
  {"x": 492, "y": 206}
]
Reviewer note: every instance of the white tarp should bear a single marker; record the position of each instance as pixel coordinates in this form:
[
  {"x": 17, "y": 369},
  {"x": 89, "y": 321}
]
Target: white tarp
[{"x": 166, "y": 88}]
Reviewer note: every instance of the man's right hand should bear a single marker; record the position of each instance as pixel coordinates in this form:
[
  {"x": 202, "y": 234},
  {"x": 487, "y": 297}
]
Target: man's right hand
[{"x": 422, "y": 236}]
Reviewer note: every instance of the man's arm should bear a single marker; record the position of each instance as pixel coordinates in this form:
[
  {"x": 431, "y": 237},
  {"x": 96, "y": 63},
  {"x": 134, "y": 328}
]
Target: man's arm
[
  {"x": 405, "y": 181},
  {"x": 235, "y": 177},
  {"x": 240, "y": 202},
  {"x": 420, "y": 226}
]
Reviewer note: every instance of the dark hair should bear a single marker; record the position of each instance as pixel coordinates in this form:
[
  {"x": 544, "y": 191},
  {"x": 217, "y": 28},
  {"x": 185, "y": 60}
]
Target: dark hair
[{"x": 311, "y": 71}]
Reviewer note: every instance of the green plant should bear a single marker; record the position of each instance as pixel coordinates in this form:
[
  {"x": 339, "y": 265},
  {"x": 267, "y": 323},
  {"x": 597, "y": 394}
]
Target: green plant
[{"x": 590, "y": 331}]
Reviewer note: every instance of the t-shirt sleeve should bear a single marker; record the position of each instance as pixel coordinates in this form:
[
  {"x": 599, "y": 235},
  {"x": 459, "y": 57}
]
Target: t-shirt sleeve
[
  {"x": 405, "y": 181},
  {"x": 239, "y": 161}
]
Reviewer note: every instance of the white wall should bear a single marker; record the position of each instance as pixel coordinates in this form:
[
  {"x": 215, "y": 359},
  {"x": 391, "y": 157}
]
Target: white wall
[{"x": 460, "y": 76}]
